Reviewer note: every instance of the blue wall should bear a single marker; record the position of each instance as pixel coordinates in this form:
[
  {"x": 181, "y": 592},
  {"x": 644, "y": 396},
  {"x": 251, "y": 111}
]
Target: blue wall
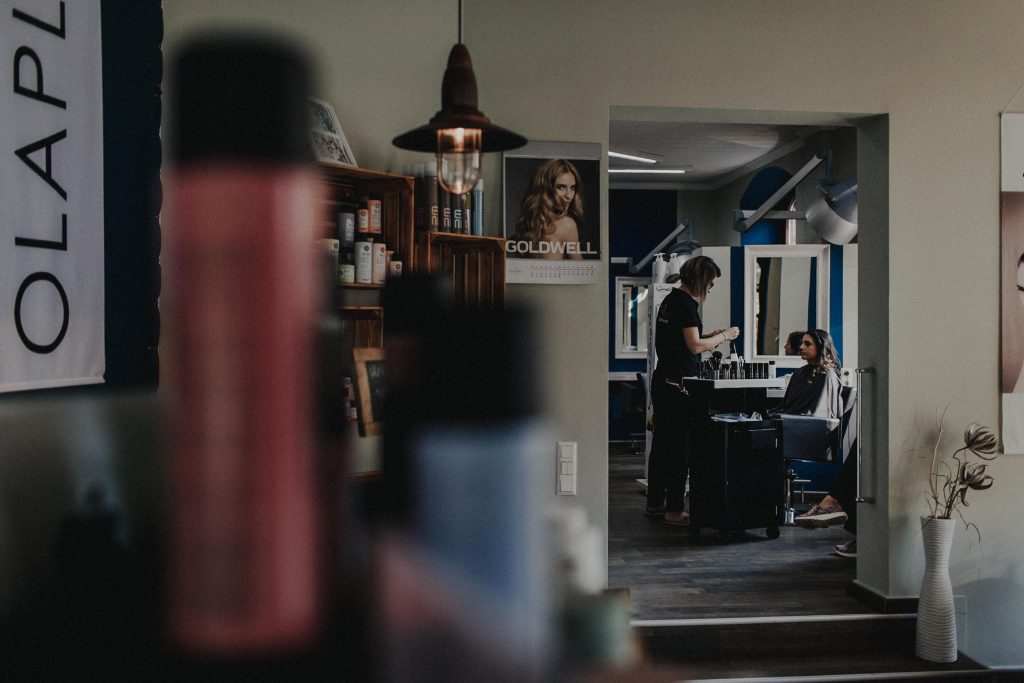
[
  {"x": 760, "y": 189},
  {"x": 638, "y": 221}
]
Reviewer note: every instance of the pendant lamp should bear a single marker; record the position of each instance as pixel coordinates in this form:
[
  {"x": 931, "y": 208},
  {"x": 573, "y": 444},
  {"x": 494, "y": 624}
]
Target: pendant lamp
[{"x": 459, "y": 132}]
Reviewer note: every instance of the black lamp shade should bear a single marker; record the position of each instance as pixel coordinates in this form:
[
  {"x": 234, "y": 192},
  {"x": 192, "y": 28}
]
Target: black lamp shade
[{"x": 459, "y": 110}]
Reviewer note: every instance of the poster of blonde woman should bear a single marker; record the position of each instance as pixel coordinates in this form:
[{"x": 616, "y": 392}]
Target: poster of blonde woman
[
  {"x": 1011, "y": 283},
  {"x": 552, "y": 213}
]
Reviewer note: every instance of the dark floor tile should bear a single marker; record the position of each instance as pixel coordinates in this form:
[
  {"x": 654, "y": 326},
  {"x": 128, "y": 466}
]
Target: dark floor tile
[{"x": 672, "y": 575}]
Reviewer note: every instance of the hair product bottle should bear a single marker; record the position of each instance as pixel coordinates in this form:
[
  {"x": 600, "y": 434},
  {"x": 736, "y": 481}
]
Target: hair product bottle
[
  {"x": 363, "y": 252},
  {"x": 430, "y": 197},
  {"x": 379, "y": 268},
  {"x": 477, "y": 214},
  {"x": 457, "y": 202},
  {"x": 374, "y": 207},
  {"x": 346, "y": 252},
  {"x": 445, "y": 208},
  {"x": 418, "y": 172},
  {"x": 245, "y": 534},
  {"x": 346, "y": 229},
  {"x": 364, "y": 261}
]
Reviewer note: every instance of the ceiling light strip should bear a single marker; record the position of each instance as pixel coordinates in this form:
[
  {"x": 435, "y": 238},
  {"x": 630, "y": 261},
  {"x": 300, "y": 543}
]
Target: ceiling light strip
[
  {"x": 653, "y": 171},
  {"x": 631, "y": 157}
]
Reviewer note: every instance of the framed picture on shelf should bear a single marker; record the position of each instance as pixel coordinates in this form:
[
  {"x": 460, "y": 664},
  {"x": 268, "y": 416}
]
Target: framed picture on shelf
[
  {"x": 326, "y": 136},
  {"x": 369, "y": 364}
]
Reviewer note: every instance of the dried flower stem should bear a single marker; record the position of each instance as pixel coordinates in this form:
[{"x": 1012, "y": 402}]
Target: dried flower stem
[{"x": 933, "y": 477}]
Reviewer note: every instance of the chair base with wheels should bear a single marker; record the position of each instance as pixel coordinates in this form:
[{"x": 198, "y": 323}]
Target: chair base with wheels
[
  {"x": 789, "y": 512},
  {"x": 816, "y": 439}
]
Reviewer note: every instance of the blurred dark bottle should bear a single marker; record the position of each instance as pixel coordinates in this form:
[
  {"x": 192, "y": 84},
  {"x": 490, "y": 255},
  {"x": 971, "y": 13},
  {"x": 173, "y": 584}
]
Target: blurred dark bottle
[
  {"x": 246, "y": 535},
  {"x": 461, "y": 566}
]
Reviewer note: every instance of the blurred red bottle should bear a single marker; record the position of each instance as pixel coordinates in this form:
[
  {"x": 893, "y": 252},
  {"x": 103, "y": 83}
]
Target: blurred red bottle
[{"x": 240, "y": 306}]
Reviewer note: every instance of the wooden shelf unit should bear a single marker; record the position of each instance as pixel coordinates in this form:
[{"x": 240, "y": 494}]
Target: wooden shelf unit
[
  {"x": 358, "y": 285},
  {"x": 473, "y": 265}
]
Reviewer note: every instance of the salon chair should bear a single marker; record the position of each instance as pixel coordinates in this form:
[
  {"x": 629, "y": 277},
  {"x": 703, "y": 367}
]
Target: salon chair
[
  {"x": 632, "y": 399},
  {"x": 816, "y": 439}
]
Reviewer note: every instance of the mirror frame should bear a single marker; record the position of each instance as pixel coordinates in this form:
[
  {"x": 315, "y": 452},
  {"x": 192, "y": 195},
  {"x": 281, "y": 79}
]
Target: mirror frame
[
  {"x": 750, "y": 256},
  {"x": 620, "y": 282}
]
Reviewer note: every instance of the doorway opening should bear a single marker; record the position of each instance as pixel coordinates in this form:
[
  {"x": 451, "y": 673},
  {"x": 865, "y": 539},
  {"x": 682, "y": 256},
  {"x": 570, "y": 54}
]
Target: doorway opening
[{"x": 669, "y": 573}]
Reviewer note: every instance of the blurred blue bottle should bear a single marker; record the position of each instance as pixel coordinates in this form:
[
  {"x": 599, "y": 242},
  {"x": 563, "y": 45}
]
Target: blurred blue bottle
[{"x": 483, "y": 464}]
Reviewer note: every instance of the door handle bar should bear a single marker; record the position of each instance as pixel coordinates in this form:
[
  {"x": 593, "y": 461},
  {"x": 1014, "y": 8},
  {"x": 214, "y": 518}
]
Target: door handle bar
[{"x": 860, "y": 443}]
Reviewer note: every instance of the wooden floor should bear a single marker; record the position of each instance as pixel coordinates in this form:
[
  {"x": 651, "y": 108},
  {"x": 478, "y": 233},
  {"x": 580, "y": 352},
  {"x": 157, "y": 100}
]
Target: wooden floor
[{"x": 673, "y": 576}]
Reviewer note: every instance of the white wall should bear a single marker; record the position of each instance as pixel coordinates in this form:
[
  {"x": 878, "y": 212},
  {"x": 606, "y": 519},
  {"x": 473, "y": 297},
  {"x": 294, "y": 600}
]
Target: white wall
[{"x": 942, "y": 70}]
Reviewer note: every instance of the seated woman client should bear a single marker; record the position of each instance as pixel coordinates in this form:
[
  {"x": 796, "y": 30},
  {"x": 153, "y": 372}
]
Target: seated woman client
[{"x": 815, "y": 390}]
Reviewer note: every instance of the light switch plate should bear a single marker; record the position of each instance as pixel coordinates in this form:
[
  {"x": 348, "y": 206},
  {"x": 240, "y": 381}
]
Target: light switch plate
[{"x": 565, "y": 468}]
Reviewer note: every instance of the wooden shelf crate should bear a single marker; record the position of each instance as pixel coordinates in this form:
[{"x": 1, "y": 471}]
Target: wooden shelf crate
[
  {"x": 473, "y": 265},
  {"x": 362, "y": 327},
  {"x": 347, "y": 184}
]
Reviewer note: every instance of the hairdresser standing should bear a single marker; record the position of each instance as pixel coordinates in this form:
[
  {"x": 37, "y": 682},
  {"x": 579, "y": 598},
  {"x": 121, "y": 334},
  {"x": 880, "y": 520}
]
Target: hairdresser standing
[{"x": 679, "y": 341}]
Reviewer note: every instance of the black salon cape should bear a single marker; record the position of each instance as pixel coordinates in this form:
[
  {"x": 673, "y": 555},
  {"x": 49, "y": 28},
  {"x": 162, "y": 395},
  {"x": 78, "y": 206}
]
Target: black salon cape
[{"x": 812, "y": 393}]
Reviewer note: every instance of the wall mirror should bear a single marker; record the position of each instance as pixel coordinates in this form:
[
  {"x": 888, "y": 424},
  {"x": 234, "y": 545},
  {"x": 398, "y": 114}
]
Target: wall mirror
[
  {"x": 785, "y": 290},
  {"x": 631, "y": 317}
]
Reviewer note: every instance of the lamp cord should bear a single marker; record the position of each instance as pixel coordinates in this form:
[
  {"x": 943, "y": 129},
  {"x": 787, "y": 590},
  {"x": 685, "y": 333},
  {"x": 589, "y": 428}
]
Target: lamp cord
[{"x": 460, "y": 22}]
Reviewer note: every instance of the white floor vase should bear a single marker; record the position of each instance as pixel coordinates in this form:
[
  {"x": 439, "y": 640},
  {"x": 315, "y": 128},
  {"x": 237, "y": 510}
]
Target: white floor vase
[{"x": 936, "y": 617}]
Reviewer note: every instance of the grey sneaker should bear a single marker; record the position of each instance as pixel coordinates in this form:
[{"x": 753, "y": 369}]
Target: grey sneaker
[
  {"x": 819, "y": 517},
  {"x": 846, "y": 549}
]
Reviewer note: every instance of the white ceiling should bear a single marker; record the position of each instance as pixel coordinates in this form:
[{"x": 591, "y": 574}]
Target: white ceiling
[{"x": 712, "y": 154}]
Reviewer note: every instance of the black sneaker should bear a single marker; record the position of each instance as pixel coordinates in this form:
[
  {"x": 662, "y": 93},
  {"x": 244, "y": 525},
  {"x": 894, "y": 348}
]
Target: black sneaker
[{"x": 654, "y": 511}]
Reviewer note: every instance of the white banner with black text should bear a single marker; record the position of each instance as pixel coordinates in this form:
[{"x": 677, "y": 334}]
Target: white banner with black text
[{"x": 51, "y": 190}]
